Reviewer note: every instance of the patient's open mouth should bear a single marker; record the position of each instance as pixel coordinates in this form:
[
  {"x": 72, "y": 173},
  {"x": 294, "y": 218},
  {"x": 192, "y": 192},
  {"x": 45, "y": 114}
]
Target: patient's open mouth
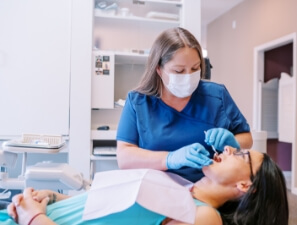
[{"x": 217, "y": 158}]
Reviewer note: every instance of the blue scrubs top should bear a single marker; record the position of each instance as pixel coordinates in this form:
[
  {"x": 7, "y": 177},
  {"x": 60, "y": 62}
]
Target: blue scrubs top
[
  {"x": 149, "y": 123},
  {"x": 70, "y": 211}
]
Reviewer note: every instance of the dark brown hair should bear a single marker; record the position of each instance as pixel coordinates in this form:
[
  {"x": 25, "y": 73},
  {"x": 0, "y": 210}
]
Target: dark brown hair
[{"x": 162, "y": 51}]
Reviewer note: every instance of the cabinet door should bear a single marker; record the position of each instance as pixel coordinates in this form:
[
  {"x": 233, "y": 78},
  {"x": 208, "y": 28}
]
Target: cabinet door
[{"x": 34, "y": 66}]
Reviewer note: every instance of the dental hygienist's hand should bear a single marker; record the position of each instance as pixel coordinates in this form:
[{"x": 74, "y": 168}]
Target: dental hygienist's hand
[
  {"x": 220, "y": 137},
  {"x": 194, "y": 155}
]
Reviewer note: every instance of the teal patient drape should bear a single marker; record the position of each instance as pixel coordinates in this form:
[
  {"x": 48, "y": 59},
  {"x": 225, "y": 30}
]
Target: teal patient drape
[{"x": 70, "y": 211}]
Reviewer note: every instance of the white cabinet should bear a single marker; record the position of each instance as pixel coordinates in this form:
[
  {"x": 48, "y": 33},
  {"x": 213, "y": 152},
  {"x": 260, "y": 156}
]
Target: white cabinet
[
  {"x": 34, "y": 67},
  {"x": 103, "y": 80}
]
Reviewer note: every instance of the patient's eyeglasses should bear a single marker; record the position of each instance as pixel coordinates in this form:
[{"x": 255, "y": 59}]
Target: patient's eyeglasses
[{"x": 242, "y": 153}]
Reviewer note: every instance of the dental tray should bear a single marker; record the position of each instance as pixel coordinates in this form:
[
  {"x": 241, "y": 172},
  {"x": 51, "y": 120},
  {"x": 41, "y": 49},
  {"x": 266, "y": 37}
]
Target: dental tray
[{"x": 35, "y": 143}]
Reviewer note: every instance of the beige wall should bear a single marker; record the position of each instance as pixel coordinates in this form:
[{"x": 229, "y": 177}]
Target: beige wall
[{"x": 231, "y": 50}]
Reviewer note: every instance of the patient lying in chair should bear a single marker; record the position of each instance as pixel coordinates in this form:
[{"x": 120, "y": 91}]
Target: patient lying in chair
[{"x": 243, "y": 177}]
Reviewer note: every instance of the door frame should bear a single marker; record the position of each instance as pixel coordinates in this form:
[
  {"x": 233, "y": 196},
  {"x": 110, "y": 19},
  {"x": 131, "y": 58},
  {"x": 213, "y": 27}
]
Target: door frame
[{"x": 257, "y": 93}]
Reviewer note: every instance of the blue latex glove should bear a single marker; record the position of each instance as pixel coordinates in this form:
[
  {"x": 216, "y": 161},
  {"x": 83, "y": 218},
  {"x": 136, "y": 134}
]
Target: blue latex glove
[
  {"x": 194, "y": 155},
  {"x": 220, "y": 137}
]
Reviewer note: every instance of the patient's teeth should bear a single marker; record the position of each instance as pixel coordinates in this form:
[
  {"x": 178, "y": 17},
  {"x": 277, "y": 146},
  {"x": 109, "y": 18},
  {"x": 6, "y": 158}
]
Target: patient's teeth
[{"x": 217, "y": 158}]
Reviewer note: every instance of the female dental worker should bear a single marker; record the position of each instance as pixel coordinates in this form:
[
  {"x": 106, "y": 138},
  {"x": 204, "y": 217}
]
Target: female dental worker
[
  {"x": 247, "y": 177},
  {"x": 171, "y": 118}
]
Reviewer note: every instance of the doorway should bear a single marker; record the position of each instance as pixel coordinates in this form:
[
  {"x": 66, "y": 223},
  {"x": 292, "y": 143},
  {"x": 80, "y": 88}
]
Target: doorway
[{"x": 269, "y": 94}]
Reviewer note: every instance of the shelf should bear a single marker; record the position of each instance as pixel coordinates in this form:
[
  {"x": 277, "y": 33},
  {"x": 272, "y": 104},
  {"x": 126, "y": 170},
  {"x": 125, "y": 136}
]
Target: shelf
[
  {"x": 130, "y": 58},
  {"x": 127, "y": 57},
  {"x": 94, "y": 157},
  {"x": 170, "y": 2},
  {"x": 135, "y": 18},
  {"x": 62, "y": 149},
  {"x": 103, "y": 134}
]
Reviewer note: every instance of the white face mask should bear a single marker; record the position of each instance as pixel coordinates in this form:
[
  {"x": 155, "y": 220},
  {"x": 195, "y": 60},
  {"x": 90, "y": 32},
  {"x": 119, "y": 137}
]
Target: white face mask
[{"x": 183, "y": 85}]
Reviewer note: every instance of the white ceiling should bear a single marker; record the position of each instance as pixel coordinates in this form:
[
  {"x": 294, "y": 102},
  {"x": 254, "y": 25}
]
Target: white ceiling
[{"x": 212, "y": 9}]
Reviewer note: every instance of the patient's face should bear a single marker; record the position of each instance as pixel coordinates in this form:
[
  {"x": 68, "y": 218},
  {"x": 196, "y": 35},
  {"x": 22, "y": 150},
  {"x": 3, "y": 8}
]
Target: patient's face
[{"x": 230, "y": 168}]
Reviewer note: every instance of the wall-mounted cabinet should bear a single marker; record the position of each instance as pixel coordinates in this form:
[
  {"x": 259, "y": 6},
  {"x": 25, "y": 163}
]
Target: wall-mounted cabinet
[{"x": 35, "y": 60}]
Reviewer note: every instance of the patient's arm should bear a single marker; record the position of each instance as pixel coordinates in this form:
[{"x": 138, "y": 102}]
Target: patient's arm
[
  {"x": 39, "y": 195},
  {"x": 41, "y": 219}
]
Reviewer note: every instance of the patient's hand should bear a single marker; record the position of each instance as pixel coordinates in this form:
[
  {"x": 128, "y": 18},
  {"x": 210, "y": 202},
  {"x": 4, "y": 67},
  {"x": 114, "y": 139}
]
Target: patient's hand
[
  {"x": 11, "y": 209},
  {"x": 36, "y": 195},
  {"x": 23, "y": 207},
  {"x": 39, "y": 195}
]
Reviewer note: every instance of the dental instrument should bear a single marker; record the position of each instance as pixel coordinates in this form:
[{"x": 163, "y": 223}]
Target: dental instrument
[{"x": 212, "y": 146}]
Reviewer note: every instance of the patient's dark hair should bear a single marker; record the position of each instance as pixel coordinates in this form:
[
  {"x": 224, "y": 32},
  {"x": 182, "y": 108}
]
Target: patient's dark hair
[{"x": 266, "y": 201}]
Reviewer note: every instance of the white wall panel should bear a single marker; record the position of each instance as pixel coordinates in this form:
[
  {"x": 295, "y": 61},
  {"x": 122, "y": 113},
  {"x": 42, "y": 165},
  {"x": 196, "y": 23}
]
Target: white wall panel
[{"x": 34, "y": 66}]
